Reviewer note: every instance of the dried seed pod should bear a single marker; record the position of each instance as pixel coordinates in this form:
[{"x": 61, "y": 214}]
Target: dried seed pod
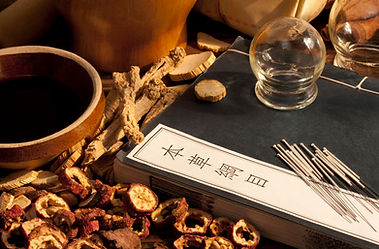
[
  {"x": 64, "y": 220},
  {"x": 218, "y": 242},
  {"x": 169, "y": 211},
  {"x": 220, "y": 226},
  {"x": 104, "y": 193},
  {"x": 9, "y": 216},
  {"x": 46, "y": 235},
  {"x": 13, "y": 237},
  {"x": 75, "y": 180},
  {"x": 141, "y": 226},
  {"x": 189, "y": 241},
  {"x": 194, "y": 221},
  {"x": 122, "y": 238},
  {"x": 83, "y": 244},
  {"x": 28, "y": 226},
  {"x": 140, "y": 199},
  {"x": 47, "y": 205},
  {"x": 243, "y": 234}
]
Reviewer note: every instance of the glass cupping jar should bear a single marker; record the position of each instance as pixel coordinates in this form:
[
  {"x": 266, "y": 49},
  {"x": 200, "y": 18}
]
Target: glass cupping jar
[{"x": 287, "y": 56}]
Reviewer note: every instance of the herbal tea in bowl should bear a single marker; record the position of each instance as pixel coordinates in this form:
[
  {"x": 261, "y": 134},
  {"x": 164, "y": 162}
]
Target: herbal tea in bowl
[{"x": 50, "y": 100}]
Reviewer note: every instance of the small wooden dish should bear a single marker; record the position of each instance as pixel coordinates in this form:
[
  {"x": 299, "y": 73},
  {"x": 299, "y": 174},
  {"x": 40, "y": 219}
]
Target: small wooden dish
[{"x": 75, "y": 75}]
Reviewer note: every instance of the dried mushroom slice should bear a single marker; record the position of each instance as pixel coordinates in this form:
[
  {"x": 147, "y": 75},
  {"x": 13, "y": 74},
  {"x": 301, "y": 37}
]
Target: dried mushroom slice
[
  {"x": 141, "y": 226},
  {"x": 243, "y": 234},
  {"x": 13, "y": 237},
  {"x": 140, "y": 199},
  {"x": 47, "y": 205},
  {"x": 47, "y": 236},
  {"x": 195, "y": 221},
  {"x": 169, "y": 211},
  {"x": 28, "y": 226},
  {"x": 220, "y": 226},
  {"x": 122, "y": 238},
  {"x": 189, "y": 241},
  {"x": 83, "y": 244},
  {"x": 75, "y": 180},
  {"x": 218, "y": 242},
  {"x": 9, "y": 216}
]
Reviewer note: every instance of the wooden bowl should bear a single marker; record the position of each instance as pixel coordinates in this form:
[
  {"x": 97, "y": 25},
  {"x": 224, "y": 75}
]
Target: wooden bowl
[
  {"x": 116, "y": 34},
  {"x": 51, "y": 99}
]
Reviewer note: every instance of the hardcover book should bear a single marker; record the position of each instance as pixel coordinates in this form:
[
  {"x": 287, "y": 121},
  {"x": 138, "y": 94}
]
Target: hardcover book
[{"x": 220, "y": 155}]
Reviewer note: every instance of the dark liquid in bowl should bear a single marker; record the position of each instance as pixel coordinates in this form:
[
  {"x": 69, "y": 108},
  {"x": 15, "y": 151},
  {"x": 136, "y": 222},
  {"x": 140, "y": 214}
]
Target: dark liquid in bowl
[{"x": 35, "y": 107}]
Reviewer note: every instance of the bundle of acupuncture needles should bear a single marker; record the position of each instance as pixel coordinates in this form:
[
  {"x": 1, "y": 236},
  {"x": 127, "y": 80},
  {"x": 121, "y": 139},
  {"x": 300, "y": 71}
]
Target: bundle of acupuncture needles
[{"x": 330, "y": 178}]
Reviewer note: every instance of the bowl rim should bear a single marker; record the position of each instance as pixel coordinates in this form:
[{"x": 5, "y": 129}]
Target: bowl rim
[{"x": 93, "y": 74}]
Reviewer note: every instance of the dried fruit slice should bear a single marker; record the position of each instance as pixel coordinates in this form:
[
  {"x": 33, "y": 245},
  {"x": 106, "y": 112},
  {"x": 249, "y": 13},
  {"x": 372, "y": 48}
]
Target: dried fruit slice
[
  {"x": 83, "y": 244},
  {"x": 244, "y": 234},
  {"x": 9, "y": 216},
  {"x": 210, "y": 90},
  {"x": 220, "y": 226},
  {"x": 140, "y": 199},
  {"x": 218, "y": 242},
  {"x": 28, "y": 226},
  {"x": 13, "y": 238},
  {"x": 141, "y": 226},
  {"x": 47, "y": 205},
  {"x": 76, "y": 181},
  {"x": 114, "y": 221},
  {"x": 64, "y": 220},
  {"x": 205, "y": 41},
  {"x": 189, "y": 241},
  {"x": 17, "y": 179},
  {"x": 88, "y": 220},
  {"x": 122, "y": 238},
  {"x": 104, "y": 193},
  {"x": 169, "y": 211},
  {"x": 46, "y": 236},
  {"x": 194, "y": 221}
]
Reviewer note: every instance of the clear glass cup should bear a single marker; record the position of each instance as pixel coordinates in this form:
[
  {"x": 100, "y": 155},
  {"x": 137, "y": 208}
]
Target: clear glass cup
[
  {"x": 354, "y": 32},
  {"x": 287, "y": 55}
]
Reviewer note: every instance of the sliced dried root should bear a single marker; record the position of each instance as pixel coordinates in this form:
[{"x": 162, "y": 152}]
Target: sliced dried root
[
  {"x": 210, "y": 90},
  {"x": 192, "y": 66},
  {"x": 17, "y": 179},
  {"x": 205, "y": 41}
]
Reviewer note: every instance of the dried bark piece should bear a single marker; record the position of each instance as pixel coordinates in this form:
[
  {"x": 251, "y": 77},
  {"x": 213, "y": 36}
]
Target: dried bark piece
[
  {"x": 244, "y": 234},
  {"x": 169, "y": 211},
  {"x": 9, "y": 216},
  {"x": 47, "y": 205},
  {"x": 122, "y": 238},
  {"x": 168, "y": 96},
  {"x": 13, "y": 238},
  {"x": 220, "y": 226},
  {"x": 6, "y": 201},
  {"x": 70, "y": 161},
  {"x": 76, "y": 181},
  {"x": 189, "y": 241},
  {"x": 65, "y": 155},
  {"x": 192, "y": 66},
  {"x": 218, "y": 242},
  {"x": 24, "y": 190},
  {"x": 45, "y": 179},
  {"x": 206, "y": 41},
  {"x": 210, "y": 90},
  {"x": 17, "y": 179},
  {"x": 140, "y": 199},
  {"x": 194, "y": 221}
]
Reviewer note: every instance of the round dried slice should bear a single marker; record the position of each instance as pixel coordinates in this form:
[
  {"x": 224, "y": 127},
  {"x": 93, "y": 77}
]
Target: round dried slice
[
  {"x": 28, "y": 226},
  {"x": 47, "y": 235},
  {"x": 140, "y": 199},
  {"x": 218, "y": 242},
  {"x": 141, "y": 226},
  {"x": 210, "y": 90},
  {"x": 47, "y": 205},
  {"x": 189, "y": 241},
  {"x": 64, "y": 220},
  {"x": 194, "y": 221},
  {"x": 15, "y": 214},
  {"x": 220, "y": 226},
  {"x": 75, "y": 180},
  {"x": 17, "y": 179},
  {"x": 192, "y": 66},
  {"x": 13, "y": 238},
  {"x": 205, "y": 41},
  {"x": 244, "y": 234},
  {"x": 169, "y": 211}
]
